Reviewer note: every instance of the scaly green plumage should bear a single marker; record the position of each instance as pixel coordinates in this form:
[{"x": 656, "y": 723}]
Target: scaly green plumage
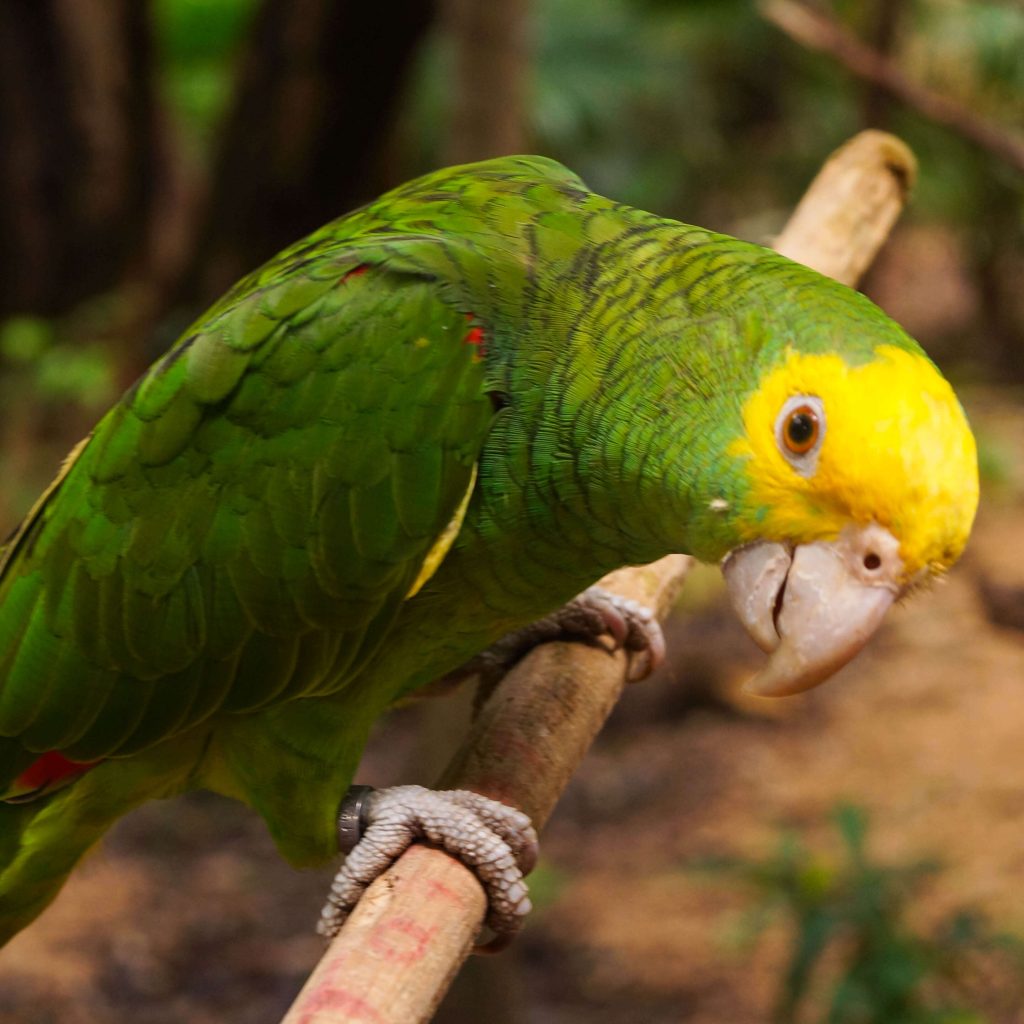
[{"x": 215, "y": 593}]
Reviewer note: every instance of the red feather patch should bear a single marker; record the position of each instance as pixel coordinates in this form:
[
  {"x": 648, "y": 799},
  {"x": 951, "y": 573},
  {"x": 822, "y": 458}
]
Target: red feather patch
[
  {"x": 475, "y": 337},
  {"x": 45, "y": 773}
]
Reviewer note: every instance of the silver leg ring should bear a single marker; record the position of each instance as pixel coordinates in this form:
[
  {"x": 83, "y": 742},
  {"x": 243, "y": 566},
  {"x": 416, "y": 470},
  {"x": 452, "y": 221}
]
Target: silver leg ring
[{"x": 350, "y": 817}]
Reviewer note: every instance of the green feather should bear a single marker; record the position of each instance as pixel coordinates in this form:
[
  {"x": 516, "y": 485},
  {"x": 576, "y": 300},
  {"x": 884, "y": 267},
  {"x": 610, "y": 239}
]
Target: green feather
[{"x": 214, "y": 368}]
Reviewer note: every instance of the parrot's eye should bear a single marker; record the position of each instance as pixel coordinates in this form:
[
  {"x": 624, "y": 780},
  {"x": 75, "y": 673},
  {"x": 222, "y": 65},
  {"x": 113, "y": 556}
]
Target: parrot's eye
[{"x": 799, "y": 431}]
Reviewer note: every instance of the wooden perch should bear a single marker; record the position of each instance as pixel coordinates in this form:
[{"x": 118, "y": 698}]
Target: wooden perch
[
  {"x": 829, "y": 230},
  {"x": 400, "y": 949},
  {"x": 817, "y": 31}
]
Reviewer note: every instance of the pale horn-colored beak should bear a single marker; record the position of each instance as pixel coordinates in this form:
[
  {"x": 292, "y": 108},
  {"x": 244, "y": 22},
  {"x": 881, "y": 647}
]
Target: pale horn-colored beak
[{"x": 813, "y": 607}]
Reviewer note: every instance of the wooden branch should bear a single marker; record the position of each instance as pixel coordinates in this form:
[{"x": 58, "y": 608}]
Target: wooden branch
[
  {"x": 398, "y": 952},
  {"x": 396, "y": 955},
  {"x": 850, "y": 208},
  {"x": 817, "y": 31}
]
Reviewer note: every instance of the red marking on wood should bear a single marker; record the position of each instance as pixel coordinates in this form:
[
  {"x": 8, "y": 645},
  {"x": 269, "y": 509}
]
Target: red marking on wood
[
  {"x": 356, "y": 271},
  {"x": 511, "y": 748},
  {"x": 445, "y": 892},
  {"x": 401, "y": 940},
  {"x": 49, "y": 769},
  {"x": 337, "y": 1000}
]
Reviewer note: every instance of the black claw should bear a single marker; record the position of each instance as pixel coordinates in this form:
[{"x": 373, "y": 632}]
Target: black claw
[{"x": 496, "y": 944}]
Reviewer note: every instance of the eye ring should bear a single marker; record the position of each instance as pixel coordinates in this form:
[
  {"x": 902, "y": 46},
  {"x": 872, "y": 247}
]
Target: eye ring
[{"x": 800, "y": 431}]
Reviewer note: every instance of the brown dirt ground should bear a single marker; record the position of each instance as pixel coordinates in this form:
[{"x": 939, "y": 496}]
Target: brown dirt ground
[{"x": 187, "y": 915}]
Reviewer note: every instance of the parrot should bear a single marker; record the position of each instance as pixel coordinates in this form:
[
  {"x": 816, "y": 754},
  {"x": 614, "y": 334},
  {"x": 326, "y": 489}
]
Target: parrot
[{"x": 418, "y": 430}]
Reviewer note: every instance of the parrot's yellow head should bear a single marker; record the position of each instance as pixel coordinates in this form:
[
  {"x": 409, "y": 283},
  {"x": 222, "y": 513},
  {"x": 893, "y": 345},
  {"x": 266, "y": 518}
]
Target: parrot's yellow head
[
  {"x": 827, "y": 444},
  {"x": 862, "y": 480}
]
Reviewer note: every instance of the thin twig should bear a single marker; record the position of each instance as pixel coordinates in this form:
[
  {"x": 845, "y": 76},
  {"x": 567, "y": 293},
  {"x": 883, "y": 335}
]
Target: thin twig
[
  {"x": 403, "y": 944},
  {"x": 817, "y": 31}
]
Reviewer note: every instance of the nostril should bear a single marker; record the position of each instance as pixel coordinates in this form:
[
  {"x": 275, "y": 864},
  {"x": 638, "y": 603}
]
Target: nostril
[{"x": 872, "y": 561}]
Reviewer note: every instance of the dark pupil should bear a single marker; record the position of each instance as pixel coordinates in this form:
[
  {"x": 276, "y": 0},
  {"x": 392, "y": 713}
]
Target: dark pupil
[{"x": 801, "y": 428}]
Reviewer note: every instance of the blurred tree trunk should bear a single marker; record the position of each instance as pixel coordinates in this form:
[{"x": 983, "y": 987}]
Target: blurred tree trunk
[
  {"x": 998, "y": 259},
  {"x": 77, "y": 164},
  {"x": 885, "y": 22},
  {"x": 491, "y": 62},
  {"x": 306, "y": 138}
]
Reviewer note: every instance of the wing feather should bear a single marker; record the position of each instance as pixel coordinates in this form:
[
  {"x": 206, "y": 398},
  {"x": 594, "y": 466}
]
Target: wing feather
[{"x": 244, "y": 525}]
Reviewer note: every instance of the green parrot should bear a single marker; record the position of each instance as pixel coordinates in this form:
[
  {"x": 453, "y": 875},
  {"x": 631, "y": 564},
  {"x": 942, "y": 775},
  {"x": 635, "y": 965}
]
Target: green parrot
[{"x": 420, "y": 429}]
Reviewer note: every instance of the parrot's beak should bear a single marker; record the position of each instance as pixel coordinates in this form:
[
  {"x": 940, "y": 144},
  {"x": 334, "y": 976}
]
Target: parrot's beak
[{"x": 813, "y": 607}]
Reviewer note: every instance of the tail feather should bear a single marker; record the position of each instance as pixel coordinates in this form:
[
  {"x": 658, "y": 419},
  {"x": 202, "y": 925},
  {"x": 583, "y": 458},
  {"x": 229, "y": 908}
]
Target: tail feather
[
  {"x": 32, "y": 869},
  {"x": 42, "y": 840}
]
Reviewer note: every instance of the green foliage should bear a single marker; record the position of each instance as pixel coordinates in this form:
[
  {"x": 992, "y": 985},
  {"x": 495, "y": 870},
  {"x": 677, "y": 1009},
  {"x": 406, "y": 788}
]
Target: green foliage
[
  {"x": 34, "y": 355},
  {"x": 678, "y": 106},
  {"x": 996, "y": 460},
  {"x": 198, "y": 41},
  {"x": 702, "y": 110},
  {"x": 547, "y": 883},
  {"x": 23, "y": 339},
  {"x": 855, "y": 957},
  {"x": 679, "y": 97},
  {"x": 974, "y": 52},
  {"x": 969, "y": 52}
]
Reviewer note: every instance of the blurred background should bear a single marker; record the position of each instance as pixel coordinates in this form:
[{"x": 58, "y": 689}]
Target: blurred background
[{"x": 853, "y": 855}]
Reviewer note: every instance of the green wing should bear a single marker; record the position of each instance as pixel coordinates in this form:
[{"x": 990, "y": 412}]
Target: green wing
[{"x": 244, "y": 525}]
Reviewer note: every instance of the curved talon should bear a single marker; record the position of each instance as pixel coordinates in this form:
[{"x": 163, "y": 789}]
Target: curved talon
[
  {"x": 633, "y": 626},
  {"x": 493, "y": 840},
  {"x": 593, "y": 614}
]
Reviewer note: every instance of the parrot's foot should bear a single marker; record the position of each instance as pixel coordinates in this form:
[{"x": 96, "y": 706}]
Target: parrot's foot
[
  {"x": 495, "y": 841},
  {"x": 595, "y": 613}
]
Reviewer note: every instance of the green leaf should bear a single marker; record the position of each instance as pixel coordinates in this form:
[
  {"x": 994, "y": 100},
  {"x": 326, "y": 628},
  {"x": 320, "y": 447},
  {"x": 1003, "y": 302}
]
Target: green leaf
[{"x": 23, "y": 339}]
